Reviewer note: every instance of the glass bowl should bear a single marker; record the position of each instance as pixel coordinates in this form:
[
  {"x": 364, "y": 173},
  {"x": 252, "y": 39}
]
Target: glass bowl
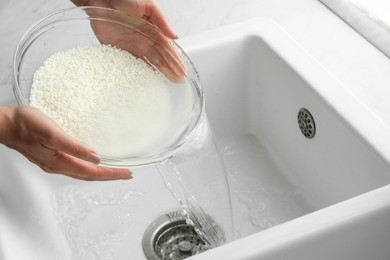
[{"x": 81, "y": 26}]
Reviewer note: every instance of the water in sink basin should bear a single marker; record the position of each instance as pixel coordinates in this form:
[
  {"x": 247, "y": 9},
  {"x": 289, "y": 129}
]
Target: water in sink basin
[{"x": 261, "y": 197}]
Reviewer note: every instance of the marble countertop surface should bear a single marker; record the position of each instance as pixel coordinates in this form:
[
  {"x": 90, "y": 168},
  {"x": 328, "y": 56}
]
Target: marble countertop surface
[{"x": 360, "y": 67}]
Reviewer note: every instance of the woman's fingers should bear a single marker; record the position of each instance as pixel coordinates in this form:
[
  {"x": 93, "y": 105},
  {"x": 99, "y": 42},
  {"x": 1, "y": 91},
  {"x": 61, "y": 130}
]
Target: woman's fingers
[
  {"x": 174, "y": 61},
  {"x": 63, "y": 163},
  {"x": 44, "y": 143},
  {"x": 143, "y": 40},
  {"x": 155, "y": 15},
  {"x": 61, "y": 141}
]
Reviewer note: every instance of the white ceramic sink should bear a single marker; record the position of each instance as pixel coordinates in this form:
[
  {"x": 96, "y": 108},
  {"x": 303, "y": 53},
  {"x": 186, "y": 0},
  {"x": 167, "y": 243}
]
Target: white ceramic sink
[
  {"x": 293, "y": 197},
  {"x": 325, "y": 197}
]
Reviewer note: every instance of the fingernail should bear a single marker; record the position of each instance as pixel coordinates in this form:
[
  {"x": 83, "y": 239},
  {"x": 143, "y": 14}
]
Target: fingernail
[
  {"x": 94, "y": 158},
  {"x": 173, "y": 35},
  {"x": 128, "y": 175}
]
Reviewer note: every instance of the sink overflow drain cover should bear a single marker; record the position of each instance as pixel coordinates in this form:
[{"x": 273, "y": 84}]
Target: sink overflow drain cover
[{"x": 306, "y": 123}]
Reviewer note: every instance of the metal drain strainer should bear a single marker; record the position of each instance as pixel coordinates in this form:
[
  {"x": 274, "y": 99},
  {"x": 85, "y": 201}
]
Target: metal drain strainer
[
  {"x": 170, "y": 238},
  {"x": 306, "y": 123}
]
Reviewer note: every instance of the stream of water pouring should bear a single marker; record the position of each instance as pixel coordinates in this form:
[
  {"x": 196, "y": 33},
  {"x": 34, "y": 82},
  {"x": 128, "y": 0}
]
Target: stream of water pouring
[{"x": 196, "y": 177}]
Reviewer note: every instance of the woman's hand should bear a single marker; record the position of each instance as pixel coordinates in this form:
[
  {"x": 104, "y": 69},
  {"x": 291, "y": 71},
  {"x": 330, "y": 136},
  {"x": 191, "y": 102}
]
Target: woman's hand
[
  {"x": 156, "y": 47},
  {"x": 148, "y": 10},
  {"x": 33, "y": 134}
]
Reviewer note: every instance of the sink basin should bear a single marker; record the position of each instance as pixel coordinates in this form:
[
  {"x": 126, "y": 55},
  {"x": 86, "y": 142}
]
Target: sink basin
[
  {"x": 323, "y": 196},
  {"x": 294, "y": 197}
]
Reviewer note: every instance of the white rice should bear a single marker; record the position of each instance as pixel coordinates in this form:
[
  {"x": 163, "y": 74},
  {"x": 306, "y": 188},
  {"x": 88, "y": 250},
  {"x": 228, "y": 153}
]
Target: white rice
[{"x": 105, "y": 97}]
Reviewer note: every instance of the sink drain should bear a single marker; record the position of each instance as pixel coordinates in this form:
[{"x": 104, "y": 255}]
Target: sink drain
[{"x": 169, "y": 238}]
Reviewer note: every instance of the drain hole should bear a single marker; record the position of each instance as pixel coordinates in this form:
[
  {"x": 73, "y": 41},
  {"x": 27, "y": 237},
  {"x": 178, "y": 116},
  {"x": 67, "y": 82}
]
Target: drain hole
[
  {"x": 178, "y": 242},
  {"x": 306, "y": 123},
  {"x": 170, "y": 237}
]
